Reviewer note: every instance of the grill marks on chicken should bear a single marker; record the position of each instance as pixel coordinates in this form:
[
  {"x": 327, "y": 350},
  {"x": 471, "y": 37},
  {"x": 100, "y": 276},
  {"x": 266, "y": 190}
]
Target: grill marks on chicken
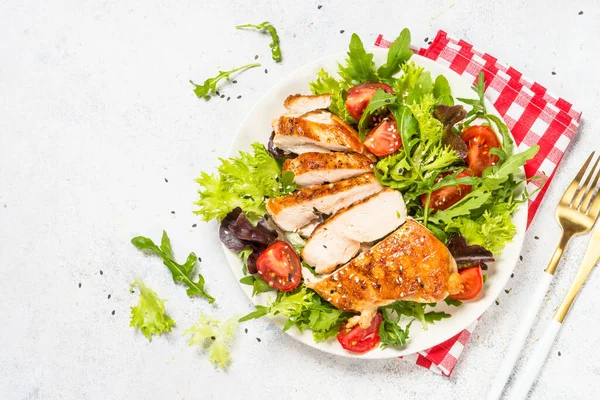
[
  {"x": 339, "y": 238},
  {"x": 303, "y": 206},
  {"x": 410, "y": 264},
  {"x": 312, "y": 169}
]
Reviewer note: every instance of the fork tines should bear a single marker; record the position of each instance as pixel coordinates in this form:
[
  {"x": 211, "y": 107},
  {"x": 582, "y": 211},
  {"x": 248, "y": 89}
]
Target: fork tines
[{"x": 581, "y": 195}]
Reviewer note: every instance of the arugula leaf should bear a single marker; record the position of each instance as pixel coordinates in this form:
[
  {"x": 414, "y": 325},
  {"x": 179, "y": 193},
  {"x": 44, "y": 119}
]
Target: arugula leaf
[
  {"x": 210, "y": 85},
  {"x": 267, "y": 27},
  {"x": 325, "y": 83},
  {"x": 434, "y": 316},
  {"x": 258, "y": 284},
  {"x": 496, "y": 175},
  {"x": 379, "y": 100},
  {"x": 507, "y": 141},
  {"x": 398, "y": 54},
  {"x": 360, "y": 67},
  {"x": 442, "y": 91},
  {"x": 215, "y": 336},
  {"x": 149, "y": 314},
  {"x": 181, "y": 273},
  {"x": 244, "y": 182},
  {"x": 452, "y": 302},
  {"x": 391, "y": 333}
]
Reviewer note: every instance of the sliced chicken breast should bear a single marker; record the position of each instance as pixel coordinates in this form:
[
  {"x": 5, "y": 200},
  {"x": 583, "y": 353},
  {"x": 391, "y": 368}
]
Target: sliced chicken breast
[
  {"x": 303, "y": 206},
  {"x": 312, "y": 169},
  {"x": 315, "y": 129},
  {"x": 309, "y": 228},
  {"x": 339, "y": 238},
  {"x": 298, "y": 104},
  {"x": 410, "y": 264}
]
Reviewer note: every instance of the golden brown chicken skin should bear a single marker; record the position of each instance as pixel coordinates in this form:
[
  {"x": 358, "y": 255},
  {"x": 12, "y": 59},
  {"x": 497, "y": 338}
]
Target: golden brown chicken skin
[{"x": 410, "y": 264}]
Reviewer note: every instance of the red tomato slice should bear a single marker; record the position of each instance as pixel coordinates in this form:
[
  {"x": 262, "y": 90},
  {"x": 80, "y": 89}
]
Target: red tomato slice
[
  {"x": 358, "y": 340},
  {"x": 472, "y": 279},
  {"x": 448, "y": 196},
  {"x": 384, "y": 139},
  {"x": 279, "y": 266},
  {"x": 480, "y": 140},
  {"x": 359, "y": 96}
]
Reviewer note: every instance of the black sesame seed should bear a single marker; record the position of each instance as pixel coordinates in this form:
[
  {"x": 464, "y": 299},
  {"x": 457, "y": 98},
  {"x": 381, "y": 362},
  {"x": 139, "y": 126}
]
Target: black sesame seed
[
  {"x": 228, "y": 98},
  {"x": 426, "y": 39},
  {"x": 266, "y": 71},
  {"x": 217, "y": 93},
  {"x": 246, "y": 330},
  {"x": 166, "y": 180},
  {"x": 258, "y": 340},
  {"x": 213, "y": 338},
  {"x": 256, "y": 57},
  {"x": 324, "y": 246},
  {"x": 342, "y": 31},
  {"x": 113, "y": 312},
  {"x": 521, "y": 258},
  {"x": 240, "y": 96},
  {"x": 497, "y": 302},
  {"x": 101, "y": 273},
  {"x": 200, "y": 259},
  {"x": 234, "y": 81},
  {"x": 512, "y": 275},
  {"x": 331, "y": 291},
  {"x": 580, "y": 13},
  {"x": 79, "y": 284},
  {"x": 222, "y": 96},
  {"x": 553, "y": 73},
  {"x": 319, "y": 7},
  {"x": 194, "y": 225},
  {"x": 506, "y": 291},
  {"x": 172, "y": 212},
  {"x": 536, "y": 237},
  {"x": 429, "y": 42},
  {"x": 109, "y": 296},
  {"x": 559, "y": 354}
]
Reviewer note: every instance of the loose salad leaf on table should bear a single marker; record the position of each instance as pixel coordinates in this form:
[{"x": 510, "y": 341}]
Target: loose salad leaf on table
[
  {"x": 270, "y": 29},
  {"x": 210, "y": 85},
  {"x": 215, "y": 337},
  {"x": 149, "y": 314}
]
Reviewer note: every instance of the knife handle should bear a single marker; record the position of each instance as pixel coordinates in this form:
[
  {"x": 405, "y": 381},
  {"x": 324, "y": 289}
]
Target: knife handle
[
  {"x": 519, "y": 337},
  {"x": 536, "y": 362}
]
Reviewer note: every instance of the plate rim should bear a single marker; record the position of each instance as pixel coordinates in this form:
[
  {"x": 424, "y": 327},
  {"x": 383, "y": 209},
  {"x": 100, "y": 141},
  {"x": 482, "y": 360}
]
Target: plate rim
[{"x": 521, "y": 215}]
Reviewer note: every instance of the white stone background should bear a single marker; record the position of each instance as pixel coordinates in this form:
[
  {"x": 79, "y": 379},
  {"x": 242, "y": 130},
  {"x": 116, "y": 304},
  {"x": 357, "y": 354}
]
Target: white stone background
[{"x": 96, "y": 111}]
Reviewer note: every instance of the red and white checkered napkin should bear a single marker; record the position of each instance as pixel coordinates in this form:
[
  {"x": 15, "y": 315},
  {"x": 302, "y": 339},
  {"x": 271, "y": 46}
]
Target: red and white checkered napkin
[{"x": 533, "y": 115}]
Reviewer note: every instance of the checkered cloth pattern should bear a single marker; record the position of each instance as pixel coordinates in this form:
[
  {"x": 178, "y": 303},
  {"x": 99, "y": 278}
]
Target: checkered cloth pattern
[{"x": 533, "y": 115}]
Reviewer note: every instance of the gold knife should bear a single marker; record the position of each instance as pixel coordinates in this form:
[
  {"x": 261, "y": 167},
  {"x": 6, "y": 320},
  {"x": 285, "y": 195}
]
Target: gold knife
[{"x": 535, "y": 363}]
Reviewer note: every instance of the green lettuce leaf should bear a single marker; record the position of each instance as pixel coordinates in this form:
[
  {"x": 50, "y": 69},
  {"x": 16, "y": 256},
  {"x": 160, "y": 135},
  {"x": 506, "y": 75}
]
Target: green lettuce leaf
[
  {"x": 149, "y": 314},
  {"x": 359, "y": 67},
  {"x": 326, "y": 84},
  {"x": 243, "y": 181},
  {"x": 215, "y": 337},
  {"x": 398, "y": 54}
]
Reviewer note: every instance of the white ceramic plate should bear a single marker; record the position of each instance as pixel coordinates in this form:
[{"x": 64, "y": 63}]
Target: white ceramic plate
[{"x": 257, "y": 128}]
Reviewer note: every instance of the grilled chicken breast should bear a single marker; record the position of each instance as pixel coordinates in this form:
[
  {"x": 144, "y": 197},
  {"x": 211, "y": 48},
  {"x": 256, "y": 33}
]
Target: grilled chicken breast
[
  {"x": 338, "y": 239},
  {"x": 312, "y": 169},
  {"x": 309, "y": 228},
  {"x": 298, "y": 104},
  {"x": 315, "y": 129},
  {"x": 303, "y": 206},
  {"x": 410, "y": 264}
]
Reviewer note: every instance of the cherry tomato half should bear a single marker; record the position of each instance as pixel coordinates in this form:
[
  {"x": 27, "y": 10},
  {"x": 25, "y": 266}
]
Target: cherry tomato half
[
  {"x": 384, "y": 139},
  {"x": 480, "y": 140},
  {"x": 359, "y": 96},
  {"x": 279, "y": 266},
  {"x": 472, "y": 279},
  {"x": 359, "y": 340},
  {"x": 448, "y": 196}
]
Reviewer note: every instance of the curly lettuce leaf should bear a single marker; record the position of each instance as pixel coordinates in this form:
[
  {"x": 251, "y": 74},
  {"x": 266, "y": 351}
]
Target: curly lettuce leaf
[
  {"x": 149, "y": 314},
  {"x": 359, "y": 67},
  {"x": 215, "y": 337},
  {"x": 326, "y": 84},
  {"x": 244, "y": 181},
  {"x": 181, "y": 273}
]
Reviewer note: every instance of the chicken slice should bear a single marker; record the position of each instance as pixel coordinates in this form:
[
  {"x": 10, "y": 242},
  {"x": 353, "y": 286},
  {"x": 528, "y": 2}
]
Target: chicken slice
[
  {"x": 298, "y": 104},
  {"x": 299, "y": 134},
  {"x": 410, "y": 264},
  {"x": 309, "y": 228},
  {"x": 312, "y": 169},
  {"x": 303, "y": 206},
  {"x": 339, "y": 238}
]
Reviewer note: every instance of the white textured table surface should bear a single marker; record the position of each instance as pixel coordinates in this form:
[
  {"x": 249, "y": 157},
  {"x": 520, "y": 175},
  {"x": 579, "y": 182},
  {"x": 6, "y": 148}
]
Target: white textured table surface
[{"x": 96, "y": 112}]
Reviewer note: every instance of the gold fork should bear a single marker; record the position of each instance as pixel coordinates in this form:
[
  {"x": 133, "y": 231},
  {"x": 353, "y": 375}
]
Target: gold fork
[{"x": 576, "y": 214}]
